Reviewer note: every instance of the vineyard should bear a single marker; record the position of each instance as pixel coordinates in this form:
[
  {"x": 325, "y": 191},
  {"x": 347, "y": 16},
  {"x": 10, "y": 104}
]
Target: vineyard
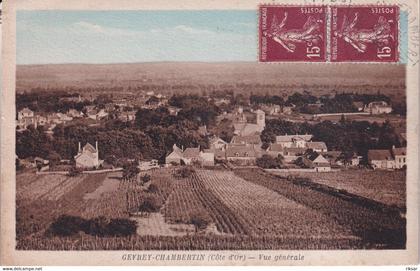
[
  {"x": 387, "y": 187},
  {"x": 247, "y": 209}
]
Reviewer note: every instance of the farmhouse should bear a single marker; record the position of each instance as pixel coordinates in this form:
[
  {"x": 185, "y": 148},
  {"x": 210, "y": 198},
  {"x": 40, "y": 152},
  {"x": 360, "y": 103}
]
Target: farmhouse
[
  {"x": 74, "y": 113},
  {"x": 337, "y": 158},
  {"x": 381, "y": 159},
  {"x": 207, "y": 157},
  {"x": 127, "y": 116},
  {"x": 271, "y": 109},
  {"x": 248, "y": 140},
  {"x": 217, "y": 143},
  {"x": 400, "y": 156},
  {"x": 191, "y": 155},
  {"x": 317, "y": 162},
  {"x": 379, "y": 107},
  {"x": 146, "y": 165},
  {"x": 293, "y": 141},
  {"x": 25, "y": 113},
  {"x": 395, "y": 158},
  {"x": 358, "y": 105},
  {"x": 241, "y": 154},
  {"x": 275, "y": 149},
  {"x": 317, "y": 146},
  {"x": 88, "y": 157},
  {"x": 175, "y": 156}
]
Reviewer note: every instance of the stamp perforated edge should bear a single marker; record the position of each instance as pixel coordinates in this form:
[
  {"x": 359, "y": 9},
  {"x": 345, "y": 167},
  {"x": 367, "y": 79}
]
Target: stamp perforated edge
[
  {"x": 327, "y": 61},
  {"x": 326, "y": 40}
]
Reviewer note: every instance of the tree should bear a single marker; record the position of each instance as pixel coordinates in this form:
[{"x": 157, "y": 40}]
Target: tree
[
  {"x": 130, "y": 171},
  {"x": 200, "y": 220},
  {"x": 266, "y": 161},
  {"x": 150, "y": 204}
]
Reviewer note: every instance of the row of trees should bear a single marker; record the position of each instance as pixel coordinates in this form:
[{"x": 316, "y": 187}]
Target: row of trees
[{"x": 345, "y": 136}]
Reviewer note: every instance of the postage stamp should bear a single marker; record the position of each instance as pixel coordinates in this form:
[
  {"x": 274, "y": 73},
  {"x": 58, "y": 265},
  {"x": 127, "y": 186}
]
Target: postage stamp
[
  {"x": 292, "y": 33},
  {"x": 364, "y": 33}
]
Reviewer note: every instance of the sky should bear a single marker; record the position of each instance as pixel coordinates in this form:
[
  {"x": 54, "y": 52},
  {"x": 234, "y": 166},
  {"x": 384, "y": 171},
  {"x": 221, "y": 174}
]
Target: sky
[
  {"x": 135, "y": 36},
  {"x": 45, "y": 37}
]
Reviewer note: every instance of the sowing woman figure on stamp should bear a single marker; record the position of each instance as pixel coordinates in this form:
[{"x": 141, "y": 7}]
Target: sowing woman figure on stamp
[
  {"x": 359, "y": 38},
  {"x": 310, "y": 32}
]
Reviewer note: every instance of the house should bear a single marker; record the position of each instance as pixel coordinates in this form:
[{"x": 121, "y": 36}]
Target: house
[
  {"x": 191, "y": 155},
  {"x": 400, "y": 156},
  {"x": 359, "y": 106},
  {"x": 317, "y": 146},
  {"x": 381, "y": 159},
  {"x": 74, "y": 113},
  {"x": 96, "y": 114},
  {"x": 41, "y": 164},
  {"x": 337, "y": 158},
  {"x": 287, "y": 110},
  {"x": 146, "y": 165},
  {"x": 173, "y": 111},
  {"x": 248, "y": 140},
  {"x": 317, "y": 162},
  {"x": 64, "y": 117},
  {"x": 25, "y": 113},
  {"x": 175, "y": 156},
  {"x": 216, "y": 143},
  {"x": 293, "y": 141},
  {"x": 88, "y": 156},
  {"x": 243, "y": 128},
  {"x": 271, "y": 109},
  {"x": 274, "y": 150},
  {"x": 241, "y": 154},
  {"x": 24, "y": 122},
  {"x": 207, "y": 157},
  {"x": 379, "y": 107},
  {"x": 221, "y": 101},
  {"x": 292, "y": 154},
  {"x": 127, "y": 116}
]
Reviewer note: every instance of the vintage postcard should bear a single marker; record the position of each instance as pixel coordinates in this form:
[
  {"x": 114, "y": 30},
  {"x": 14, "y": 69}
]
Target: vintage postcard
[{"x": 209, "y": 133}]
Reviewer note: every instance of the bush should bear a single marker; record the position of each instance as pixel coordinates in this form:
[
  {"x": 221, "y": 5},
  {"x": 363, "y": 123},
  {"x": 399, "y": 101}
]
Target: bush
[
  {"x": 152, "y": 188},
  {"x": 266, "y": 161},
  {"x": 74, "y": 171},
  {"x": 184, "y": 172},
  {"x": 146, "y": 178},
  {"x": 98, "y": 226},
  {"x": 122, "y": 227},
  {"x": 200, "y": 220},
  {"x": 150, "y": 204},
  {"x": 66, "y": 225}
]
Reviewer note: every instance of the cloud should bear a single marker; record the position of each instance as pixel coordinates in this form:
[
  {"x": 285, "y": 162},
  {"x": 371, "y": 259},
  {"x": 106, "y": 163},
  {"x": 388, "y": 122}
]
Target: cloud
[
  {"x": 89, "y": 26},
  {"x": 84, "y": 27}
]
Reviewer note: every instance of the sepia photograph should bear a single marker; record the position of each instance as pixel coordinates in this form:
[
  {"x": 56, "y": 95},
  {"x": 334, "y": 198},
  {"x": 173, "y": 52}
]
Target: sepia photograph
[{"x": 163, "y": 130}]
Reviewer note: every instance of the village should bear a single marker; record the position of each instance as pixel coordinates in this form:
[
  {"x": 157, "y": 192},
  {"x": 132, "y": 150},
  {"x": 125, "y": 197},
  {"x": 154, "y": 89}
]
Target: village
[{"x": 244, "y": 147}]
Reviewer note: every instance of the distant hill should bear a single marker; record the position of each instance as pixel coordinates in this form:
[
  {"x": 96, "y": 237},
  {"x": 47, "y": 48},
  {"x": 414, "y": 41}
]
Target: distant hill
[{"x": 186, "y": 76}]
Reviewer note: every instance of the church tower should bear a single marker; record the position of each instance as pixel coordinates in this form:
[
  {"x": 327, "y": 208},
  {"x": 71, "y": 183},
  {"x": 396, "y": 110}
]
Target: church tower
[{"x": 260, "y": 118}]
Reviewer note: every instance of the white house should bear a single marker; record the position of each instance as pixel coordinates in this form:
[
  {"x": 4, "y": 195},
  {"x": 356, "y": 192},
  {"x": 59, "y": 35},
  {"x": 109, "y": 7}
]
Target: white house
[
  {"x": 293, "y": 141},
  {"x": 317, "y": 162},
  {"x": 379, "y": 107},
  {"x": 88, "y": 157}
]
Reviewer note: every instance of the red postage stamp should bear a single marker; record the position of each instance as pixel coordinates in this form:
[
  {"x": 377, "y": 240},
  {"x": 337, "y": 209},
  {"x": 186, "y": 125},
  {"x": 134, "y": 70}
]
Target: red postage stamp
[
  {"x": 292, "y": 33},
  {"x": 367, "y": 33}
]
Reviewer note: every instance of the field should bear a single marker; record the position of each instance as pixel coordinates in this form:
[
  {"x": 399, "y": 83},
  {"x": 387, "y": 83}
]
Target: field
[
  {"x": 182, "y": 77},
  {"x": 387, "y": 187},
  {"x": 248, "y": 209}
]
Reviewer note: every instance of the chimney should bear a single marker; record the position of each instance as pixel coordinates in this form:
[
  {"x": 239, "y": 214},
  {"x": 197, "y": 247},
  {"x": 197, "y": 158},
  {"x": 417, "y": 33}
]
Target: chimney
[
  {"x": 96, "y": 143},
  {"x": 393, "y": 147},
  {"x": 79, "y": 148}
]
